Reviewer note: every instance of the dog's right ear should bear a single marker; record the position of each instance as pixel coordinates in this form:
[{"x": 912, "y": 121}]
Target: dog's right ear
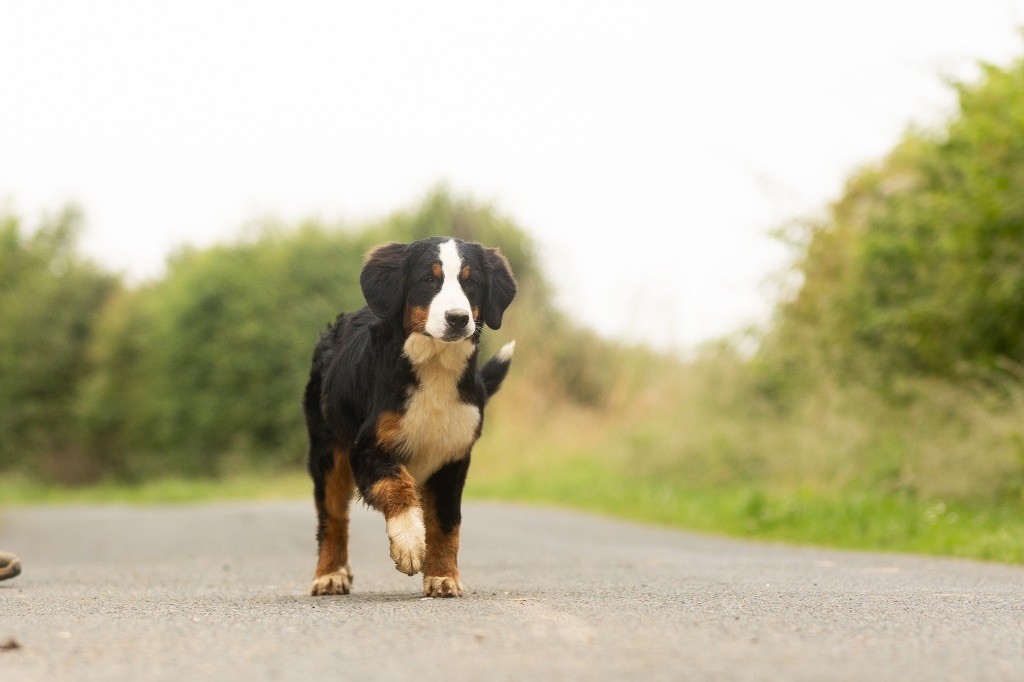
[{"x": 381, "y": 279}]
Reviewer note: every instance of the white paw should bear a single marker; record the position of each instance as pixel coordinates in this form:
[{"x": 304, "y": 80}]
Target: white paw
[
  {"x": 339, "y": 582},
  {"x": 435, "y": 586},
  {"x": 408, "y": 538}
]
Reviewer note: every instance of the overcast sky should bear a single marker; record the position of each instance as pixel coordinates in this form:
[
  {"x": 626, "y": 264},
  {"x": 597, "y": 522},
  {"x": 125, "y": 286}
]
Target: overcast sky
[{"x": 649, "y": 147}]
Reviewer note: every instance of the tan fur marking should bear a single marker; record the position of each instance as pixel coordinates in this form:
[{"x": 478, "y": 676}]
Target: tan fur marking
[
  {"x": 389, "y": 429},
  {"x": 392, "y": 496},
  {"x": 333, "y": 559},
  {"x": 398, "y": 499},
  {"x": 465, "y": 273},
  {"x": 436, "y": 269},
  {"x": 442, "y": 558},
  {"x": 476, "y": 315},
  {"x": 416, "y": 318}
]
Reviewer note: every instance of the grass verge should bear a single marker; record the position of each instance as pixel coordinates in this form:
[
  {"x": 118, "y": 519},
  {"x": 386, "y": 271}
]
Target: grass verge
[
  {"x": 20, "y": 490},
  {"x": 854, "y": 520}
]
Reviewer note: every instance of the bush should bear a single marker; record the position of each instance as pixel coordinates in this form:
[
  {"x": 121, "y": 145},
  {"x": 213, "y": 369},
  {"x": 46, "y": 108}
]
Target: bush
[
  {"x": 49, "y": 299},
  {"x": 919, "y": 267},
  {"x": 202, "y": 371}
]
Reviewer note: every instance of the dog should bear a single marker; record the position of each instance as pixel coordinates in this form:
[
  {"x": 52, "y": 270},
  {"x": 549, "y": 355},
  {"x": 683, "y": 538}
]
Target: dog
[{"x": 395, "y": 402}]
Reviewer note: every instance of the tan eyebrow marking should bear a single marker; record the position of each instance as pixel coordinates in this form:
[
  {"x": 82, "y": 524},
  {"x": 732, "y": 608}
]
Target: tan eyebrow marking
[
  {"x": 437, "y": 270},
  {"x": 465, "y": 273}
]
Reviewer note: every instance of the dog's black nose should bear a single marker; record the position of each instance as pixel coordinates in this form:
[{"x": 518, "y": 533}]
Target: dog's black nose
[{"x": 457, "y": 318}]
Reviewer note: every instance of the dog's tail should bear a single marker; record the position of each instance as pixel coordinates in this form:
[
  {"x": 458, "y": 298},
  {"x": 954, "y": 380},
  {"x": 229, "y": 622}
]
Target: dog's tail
[{"x": 495, "y": 369}]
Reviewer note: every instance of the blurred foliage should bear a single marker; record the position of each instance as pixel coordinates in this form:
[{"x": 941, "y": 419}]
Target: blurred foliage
[
  {"x": 207, "y": 362},
  {"x": 892, "y": 370},
  {"x": 200, "y": 372},
  {"x": 49, "y": 297},
  {"x": 919, "y": 266}
]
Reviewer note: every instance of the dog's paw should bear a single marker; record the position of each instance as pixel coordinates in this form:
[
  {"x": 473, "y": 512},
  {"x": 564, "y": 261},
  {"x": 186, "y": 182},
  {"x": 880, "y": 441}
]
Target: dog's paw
[
  {"x": 435, "y": 586},
  {"x": 339, "y": 582},
  {"x": 408, "y": 538}
]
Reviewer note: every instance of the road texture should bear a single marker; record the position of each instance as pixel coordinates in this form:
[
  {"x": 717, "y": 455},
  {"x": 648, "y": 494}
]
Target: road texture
[{"x": 220, "y": 592}]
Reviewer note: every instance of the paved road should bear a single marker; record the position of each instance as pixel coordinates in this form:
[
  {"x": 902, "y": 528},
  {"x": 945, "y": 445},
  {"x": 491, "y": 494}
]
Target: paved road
[{"x": 219, "y": 592}]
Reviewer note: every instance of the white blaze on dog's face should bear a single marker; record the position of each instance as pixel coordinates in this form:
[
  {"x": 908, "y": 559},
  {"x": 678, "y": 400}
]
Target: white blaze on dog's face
[
  {"x": 442, "y": 288},
  {"x": 449, "y": 316}
]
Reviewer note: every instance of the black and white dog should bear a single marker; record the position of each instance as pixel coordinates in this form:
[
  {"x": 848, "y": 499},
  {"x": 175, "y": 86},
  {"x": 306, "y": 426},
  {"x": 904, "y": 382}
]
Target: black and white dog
[{"x": 395, "y": 402}]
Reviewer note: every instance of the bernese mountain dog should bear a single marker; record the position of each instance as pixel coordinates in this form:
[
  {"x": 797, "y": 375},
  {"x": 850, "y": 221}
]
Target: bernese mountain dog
[{"x": 395, "y": 402}]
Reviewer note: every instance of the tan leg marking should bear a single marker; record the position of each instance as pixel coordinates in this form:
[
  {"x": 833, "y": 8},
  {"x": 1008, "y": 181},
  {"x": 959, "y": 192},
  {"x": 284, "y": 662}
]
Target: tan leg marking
[
  {"x": 441, "y": 565},
  {"x": 398, "y": 500},
  {"x": 392, "y": 496},
  {"x": 333, "y": 574}
]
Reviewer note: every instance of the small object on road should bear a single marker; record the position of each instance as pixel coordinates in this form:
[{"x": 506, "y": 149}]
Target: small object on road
[
  {"x": 10, "y": 565},
  {"x": 10, "y": 645}
]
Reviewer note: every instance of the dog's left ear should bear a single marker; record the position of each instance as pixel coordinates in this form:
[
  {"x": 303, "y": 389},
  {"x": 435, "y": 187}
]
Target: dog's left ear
[
  {"x": 381, "y": 279},
  {"x": 502, "y": 288}
]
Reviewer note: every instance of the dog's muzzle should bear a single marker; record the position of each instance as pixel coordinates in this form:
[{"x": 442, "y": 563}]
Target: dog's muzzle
[{"x": 458, "y": 325}]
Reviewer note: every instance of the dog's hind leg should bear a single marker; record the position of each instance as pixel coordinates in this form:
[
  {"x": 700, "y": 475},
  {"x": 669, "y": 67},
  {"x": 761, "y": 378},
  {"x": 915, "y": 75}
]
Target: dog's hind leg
[{"x": 332, "y": 493}]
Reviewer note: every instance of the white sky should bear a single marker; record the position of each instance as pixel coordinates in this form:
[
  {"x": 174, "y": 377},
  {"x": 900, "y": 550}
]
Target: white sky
[{"x": 649, "y": 147}]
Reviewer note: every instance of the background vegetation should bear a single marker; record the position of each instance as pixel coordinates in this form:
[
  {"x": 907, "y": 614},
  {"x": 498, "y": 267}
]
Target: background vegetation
[
  {"x": 884, "y": 406},
  {"x": 199, "y": 373}
]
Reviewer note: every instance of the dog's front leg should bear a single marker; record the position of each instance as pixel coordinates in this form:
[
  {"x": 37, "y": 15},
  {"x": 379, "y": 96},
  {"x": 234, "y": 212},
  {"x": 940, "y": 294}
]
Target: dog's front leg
[
  {"x": 387, "y": 487},
  {"x": 442, "y": 506}
]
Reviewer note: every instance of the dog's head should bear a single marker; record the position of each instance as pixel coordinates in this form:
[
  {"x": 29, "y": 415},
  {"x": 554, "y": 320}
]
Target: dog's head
[{"x": 441, "y": 287}]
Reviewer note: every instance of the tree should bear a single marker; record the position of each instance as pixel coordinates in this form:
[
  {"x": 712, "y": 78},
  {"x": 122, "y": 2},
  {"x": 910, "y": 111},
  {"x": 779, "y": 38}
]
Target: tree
[
  {"x": 203, "y": 369},
  {"x": 919, "y": 267},
  {"x": 49, "y": 299}
]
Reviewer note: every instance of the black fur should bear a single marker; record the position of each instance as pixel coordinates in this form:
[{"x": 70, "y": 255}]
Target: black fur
[
  {"x": 493, "y": 373},
  {"x": 359, "y": 371},
  {"x": 382, "y": 279},
  {"x": 447, "y": 484},
  {"x": 502, "y": 288}
]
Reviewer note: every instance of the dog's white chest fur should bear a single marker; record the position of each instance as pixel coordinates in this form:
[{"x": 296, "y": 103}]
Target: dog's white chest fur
[{"x": 437, "y": 427}]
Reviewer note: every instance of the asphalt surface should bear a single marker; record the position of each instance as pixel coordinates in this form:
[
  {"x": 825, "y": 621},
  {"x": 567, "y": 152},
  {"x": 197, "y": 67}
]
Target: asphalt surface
[{"x": 220, "y": 592}]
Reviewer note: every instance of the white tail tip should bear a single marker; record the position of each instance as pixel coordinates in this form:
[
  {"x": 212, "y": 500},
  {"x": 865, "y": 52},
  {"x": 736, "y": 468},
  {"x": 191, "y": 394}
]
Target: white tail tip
[{"x": 505, "y": 354}]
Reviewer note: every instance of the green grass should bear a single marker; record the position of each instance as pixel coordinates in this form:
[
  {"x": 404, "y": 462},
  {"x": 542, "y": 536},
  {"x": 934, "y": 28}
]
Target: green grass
[
  {"x": 853, "y": 519},
  {"x": 286, "y": 485},
  {"x": 856, "y": 520}
]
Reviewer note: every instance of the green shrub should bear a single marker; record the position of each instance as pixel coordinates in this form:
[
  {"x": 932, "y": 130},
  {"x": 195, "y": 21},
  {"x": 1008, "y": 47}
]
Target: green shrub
[
  {"x": 201, "y": 372},
  {"x": 49, "y": 299},
  {"x": 919, "y": 266}
]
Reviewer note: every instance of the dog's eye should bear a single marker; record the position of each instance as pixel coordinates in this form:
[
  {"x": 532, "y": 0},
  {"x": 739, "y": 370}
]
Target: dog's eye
[{"x": 430, "y": 280}]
